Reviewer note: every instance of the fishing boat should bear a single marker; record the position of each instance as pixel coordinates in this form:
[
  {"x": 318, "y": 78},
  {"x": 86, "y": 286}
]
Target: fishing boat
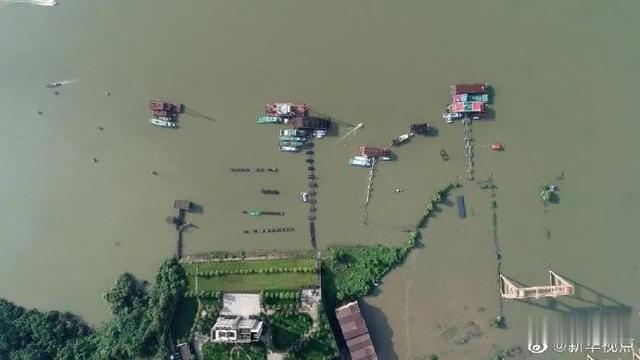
[
  {"x": 290, "y": 148},
  {"x": 291, "y": 138},
  {"x": 449, "y": 117},
  {"x": 286, "y": 109},
  {"x": 270, "y": 192},
  {"x": 293, "y": 132},
  {"x": 269, "y": 119},
  {"x": 52, "y": 85},
  {"x": 304, "y": 197},
  {"x": 162, "y": 123},
  {"x": 291, "y": 143},
  {"x": 402, "y": 139},
  {"x": 360, "y": 161},
  {"x": 319, "y": 134}
]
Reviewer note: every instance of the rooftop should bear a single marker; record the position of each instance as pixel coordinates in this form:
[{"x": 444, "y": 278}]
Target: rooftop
[{"x": 355, "y": 332}]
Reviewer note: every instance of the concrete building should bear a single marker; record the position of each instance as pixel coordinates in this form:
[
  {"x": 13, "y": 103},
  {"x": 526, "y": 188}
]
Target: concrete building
[{"x": 239, "y": 320}]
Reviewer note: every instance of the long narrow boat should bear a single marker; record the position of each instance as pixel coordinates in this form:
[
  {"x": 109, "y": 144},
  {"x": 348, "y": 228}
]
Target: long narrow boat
[
  {"x": 269, "y": 119},
  {"x": 462, "y": 212},
  {"x": 162, "y": 123},
  {"x": 402, "y": 139}
]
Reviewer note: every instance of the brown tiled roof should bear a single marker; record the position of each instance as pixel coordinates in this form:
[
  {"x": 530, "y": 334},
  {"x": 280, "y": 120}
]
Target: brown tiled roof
[{"x": 355, "y": 332}]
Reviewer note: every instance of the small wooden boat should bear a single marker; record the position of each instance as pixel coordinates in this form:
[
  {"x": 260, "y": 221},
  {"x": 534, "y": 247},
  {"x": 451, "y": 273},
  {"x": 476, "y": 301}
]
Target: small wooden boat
[
  {"x": 158, "y": 105},
  {"x": 444, "y": 155},
  {"x": 402, "y": 139},
  {"x": 497, "y": 146},
  {"x": 52, "y": 85},
  {"x": 162, "y": 123},
  {"x": 423, "y": 128},
  {"x": 262, "y": 212},
  {"x": 462, "y": 212},
  {"x": 376, "y": 152},
  {"x": 270, "y": 192}
]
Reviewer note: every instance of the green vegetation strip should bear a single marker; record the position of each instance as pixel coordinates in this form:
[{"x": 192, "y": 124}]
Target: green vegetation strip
[
  {"x": 219, "y": 351},
  {"x": 288, "y": 328},
  {"x": 233, "y": 265},
  {"x": 255, "y": 282}
]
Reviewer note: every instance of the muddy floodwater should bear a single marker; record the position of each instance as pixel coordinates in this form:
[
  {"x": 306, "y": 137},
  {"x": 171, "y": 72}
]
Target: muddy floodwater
[{"x": 565, "y": 76}]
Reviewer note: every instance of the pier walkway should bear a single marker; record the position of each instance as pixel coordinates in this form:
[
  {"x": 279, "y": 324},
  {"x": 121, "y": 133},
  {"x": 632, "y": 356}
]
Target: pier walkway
[
  {"x": 365, "y": 213},
  {"x": 468, "y": 147},
  {"x": 312, "y": 186}
]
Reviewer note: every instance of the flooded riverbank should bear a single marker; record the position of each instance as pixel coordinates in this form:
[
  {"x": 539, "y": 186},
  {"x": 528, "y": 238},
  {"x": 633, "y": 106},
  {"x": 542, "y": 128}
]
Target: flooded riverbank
[{"x": 564, "y": 76}]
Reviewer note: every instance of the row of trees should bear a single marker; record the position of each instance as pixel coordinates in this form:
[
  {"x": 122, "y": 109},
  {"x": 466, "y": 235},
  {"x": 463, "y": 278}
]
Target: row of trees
[
  {"x": 139, "y": 327},
  {"x": 253, "y": 271},
  {"x": 271, "y": 294},
  {"x": 203, "y": 294}
]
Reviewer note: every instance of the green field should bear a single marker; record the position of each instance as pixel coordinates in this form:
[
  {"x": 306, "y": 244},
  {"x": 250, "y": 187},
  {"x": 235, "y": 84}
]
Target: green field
[
  {"x": 248, "y": 264},
  {"x": 251, "y": 282}
]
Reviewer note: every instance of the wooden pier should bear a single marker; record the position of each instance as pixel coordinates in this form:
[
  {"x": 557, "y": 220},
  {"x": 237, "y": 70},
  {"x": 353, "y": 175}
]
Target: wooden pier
[
  {"x": 313, "y": 185},
  {"x": 365, "y": 213},
  {"x": 468, "y": 147}
]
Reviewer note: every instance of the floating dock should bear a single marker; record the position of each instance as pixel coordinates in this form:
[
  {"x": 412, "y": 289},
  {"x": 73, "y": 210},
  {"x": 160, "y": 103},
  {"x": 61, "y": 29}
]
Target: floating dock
[{"x": 462, "y": 211}]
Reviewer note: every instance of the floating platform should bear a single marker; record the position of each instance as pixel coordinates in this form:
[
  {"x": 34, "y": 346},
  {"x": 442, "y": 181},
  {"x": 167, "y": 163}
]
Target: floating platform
[{"x": 462, "y": 211}]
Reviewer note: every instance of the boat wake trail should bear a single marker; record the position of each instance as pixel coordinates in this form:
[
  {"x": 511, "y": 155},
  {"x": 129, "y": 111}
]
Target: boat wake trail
[{"x": 32, "y": 2}]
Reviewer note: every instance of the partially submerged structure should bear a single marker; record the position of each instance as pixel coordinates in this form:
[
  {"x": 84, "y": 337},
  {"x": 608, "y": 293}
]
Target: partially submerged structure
[{"x": 355, "y": 332}]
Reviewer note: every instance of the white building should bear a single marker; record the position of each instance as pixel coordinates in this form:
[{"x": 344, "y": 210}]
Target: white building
[
  {"x": 239, "y": 319},
  {"x": 236, "y": 329}
]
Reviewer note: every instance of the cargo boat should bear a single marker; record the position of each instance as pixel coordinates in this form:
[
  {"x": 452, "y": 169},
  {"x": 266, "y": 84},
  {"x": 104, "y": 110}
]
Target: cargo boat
[
  {"x": 402, "y": 139},
  {"x": 360, "y": 161},
  {"x": 286, "y": 109},
  {"x": 423, "y": 128},
  {"x": 457, "y": 89},
  {"x": 157, "y": 105},
  {"x": 375, "y": 152}
]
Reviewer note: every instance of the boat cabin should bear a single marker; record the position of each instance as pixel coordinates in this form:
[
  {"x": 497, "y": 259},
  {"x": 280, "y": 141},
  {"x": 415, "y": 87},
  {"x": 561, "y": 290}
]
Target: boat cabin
[
  {"x": 376, "y": 152},
  {"x": 468, "y": 107}
]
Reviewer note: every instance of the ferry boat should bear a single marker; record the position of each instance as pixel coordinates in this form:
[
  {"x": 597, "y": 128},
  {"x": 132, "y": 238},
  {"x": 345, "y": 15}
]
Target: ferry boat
[
  {"x": 269, "y": 119},
  {"x": 286, "y": 109},
  {"x": 360, "y": 161},
  {"x": 287, "y": 148},
  {"x": 162, "y": 123},
  {"x": 402, "y": 139}
]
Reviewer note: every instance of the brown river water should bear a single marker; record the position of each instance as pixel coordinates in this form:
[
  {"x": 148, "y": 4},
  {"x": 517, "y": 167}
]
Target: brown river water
[{"x": 564, "y": 75}]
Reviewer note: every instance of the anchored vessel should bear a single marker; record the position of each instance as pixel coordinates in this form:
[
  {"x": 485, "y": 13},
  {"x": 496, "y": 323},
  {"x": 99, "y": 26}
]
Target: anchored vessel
[
  {"x": 360, "y": 161},
  {"x": 402, "y": 139},
  {"x": 162, "y": 122}
]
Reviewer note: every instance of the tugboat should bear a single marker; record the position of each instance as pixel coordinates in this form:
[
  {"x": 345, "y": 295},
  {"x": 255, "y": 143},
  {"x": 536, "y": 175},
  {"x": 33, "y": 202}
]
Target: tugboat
[
  {"x": 286, "y": 109},
  {"x": 402, "y": 139},
  {"x": 162, "y": 123}
]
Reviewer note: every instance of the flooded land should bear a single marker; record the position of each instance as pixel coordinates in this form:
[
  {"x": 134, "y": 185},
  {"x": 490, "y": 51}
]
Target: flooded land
[{"x": 564, "y": 75}]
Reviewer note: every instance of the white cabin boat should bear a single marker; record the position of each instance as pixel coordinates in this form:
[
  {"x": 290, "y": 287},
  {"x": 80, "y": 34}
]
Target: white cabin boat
[
  {"x": 360, "y": 161},
  {"x": 162, "y": 123},
  {"x": 290, "y": 148}
]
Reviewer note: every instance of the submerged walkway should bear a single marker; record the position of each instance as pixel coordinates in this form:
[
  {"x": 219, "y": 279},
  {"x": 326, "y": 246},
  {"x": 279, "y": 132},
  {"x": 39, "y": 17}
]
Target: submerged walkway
[{"x": 365, "y": 213}]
